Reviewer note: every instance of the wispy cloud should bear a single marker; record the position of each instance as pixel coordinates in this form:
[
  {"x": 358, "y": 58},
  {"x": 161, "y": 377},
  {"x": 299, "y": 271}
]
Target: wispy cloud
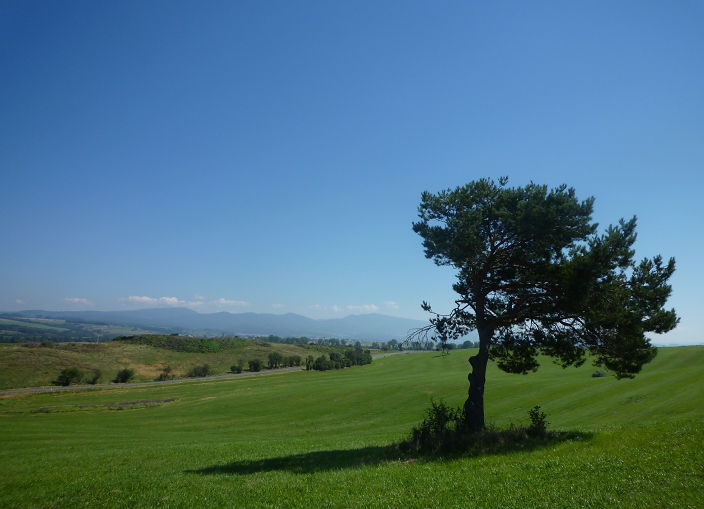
[
  {"x": 78, "y": 300},
  {"x": 390, "y": 304},
  {"x": 277, "y": 305},
  {"x": 20, "y": 302},
  {"x": 230, "y": 302},
  {"x": 198, "y": 302},
  {"x": 363, "y": 308},
  {"x": 353, "y": 308},
  {"x": 154, "y": 301}
]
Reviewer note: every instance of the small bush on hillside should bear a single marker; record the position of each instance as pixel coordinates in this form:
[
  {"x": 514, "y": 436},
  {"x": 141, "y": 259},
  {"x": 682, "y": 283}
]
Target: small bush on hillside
[
  {"x": 69, "y": 376},
  {"x": 255, "y": 365},
  {"x": 94, "y": 378},
  {"x": 236, "y": 369},
  {"x": 124, "y": 376},
  {"x": 166, "y": 374},
  {"x": 436, "y": 433},
  {"x": 200, "y": 371},
  {"x": 538, "y": 425}
]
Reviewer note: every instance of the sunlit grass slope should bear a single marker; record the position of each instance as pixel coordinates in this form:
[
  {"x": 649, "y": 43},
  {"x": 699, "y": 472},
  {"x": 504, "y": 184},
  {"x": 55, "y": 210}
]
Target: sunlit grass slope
[
  {"x": 320, "y": 439},
  {"x": 35, "y": 364}
]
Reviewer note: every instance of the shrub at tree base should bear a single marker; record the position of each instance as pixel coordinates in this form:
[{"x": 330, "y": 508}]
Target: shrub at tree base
[
  {"x": 538, "y": 425},
  {"x": 442, "y": 432}
]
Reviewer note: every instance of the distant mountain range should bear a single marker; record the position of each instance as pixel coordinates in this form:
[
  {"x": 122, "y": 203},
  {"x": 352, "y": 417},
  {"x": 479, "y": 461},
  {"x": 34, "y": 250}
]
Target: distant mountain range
[{"x": 372, "y": 326}]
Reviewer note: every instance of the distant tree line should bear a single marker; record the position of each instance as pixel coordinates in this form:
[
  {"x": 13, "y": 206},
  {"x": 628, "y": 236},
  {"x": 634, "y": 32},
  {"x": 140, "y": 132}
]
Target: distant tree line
[
  {"x": 70, "y": 376},
  {"x": 440, "y": 346},
  {"x": 336, "y": 342},
  {"x": 183, "y": 344},
  {"x": 337, "y": 360}
]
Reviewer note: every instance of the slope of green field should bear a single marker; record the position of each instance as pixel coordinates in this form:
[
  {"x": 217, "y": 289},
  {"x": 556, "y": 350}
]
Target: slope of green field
[
  {"x": 35, "y": 364},
  {"x": 322, "y": 439}
]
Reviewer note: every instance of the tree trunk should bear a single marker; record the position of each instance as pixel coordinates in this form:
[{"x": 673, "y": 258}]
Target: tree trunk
[{"x": 474, "y": 406}]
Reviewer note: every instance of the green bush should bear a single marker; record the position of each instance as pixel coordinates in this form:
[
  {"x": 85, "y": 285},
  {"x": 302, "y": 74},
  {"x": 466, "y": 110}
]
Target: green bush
[
  {"x": 69, "y": 376},
  {"x": 200, "y": 371},
  {"x": 124, "y": 376},
  {"x": 255, "y": 365},
  {"x": 438, "y": 431},
  {"x": 538, "y": 425},
  {"x": 236, "y": 369},
  {"x": 275, "y": 360},
  {"x": 443, "y": 431},
  {"x": 166, "y": 374},
  {"x": 293, "y": 360},
  {"x": 351, "y": 357},
  {"x": 322, "y": 363}
]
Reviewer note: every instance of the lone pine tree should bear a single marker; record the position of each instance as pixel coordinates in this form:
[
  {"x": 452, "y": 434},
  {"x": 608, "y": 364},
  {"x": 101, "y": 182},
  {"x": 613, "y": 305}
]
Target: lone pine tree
[{"x": 535, "y": 277}]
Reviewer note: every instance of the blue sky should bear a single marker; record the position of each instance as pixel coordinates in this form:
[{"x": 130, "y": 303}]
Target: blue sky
[{"x": 269, "y": 156}]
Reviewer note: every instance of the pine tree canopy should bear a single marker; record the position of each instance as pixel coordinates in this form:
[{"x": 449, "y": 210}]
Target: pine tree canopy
[{"x": 535, "y": 276}]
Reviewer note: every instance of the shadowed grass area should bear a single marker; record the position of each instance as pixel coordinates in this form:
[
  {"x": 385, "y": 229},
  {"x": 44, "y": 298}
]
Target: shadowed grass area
[
  {"x": 493, "y": 442},
  {"x": 318, "y": 461}
]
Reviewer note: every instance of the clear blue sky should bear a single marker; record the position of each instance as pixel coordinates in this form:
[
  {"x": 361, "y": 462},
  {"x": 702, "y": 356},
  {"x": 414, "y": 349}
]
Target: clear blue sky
[{"x": 269, "y": 156}]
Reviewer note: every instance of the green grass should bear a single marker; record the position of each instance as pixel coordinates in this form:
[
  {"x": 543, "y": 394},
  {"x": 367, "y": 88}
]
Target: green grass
[
  {"x": 322, "y": 439},
  {"x": 32, "y": 364}
]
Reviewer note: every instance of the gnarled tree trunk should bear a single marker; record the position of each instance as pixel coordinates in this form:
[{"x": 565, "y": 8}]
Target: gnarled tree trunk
[{"x": 474, "y": 406}]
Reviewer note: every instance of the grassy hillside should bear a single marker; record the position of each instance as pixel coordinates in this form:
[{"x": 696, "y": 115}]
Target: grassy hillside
[
  {"x": 321, "y": 439},
  {"x": 34, "y": 364}
]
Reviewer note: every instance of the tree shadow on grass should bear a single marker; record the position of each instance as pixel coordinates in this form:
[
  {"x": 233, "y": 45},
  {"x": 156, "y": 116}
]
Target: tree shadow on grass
[
  {"x": 308, "y": 463},
  {"x": 320, "y": 461}
]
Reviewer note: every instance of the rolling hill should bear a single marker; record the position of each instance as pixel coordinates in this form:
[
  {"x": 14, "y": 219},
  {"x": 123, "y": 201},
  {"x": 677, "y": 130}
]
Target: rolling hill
[
  {"x": 372, "y": 327},
  {"x": 325, "y": 439}
]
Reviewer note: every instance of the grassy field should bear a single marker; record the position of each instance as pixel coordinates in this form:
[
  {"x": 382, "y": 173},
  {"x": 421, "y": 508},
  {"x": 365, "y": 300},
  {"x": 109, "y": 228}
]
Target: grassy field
[
  {"x": 32, "y": 364},
  {"x": 322, "y": 439}
]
